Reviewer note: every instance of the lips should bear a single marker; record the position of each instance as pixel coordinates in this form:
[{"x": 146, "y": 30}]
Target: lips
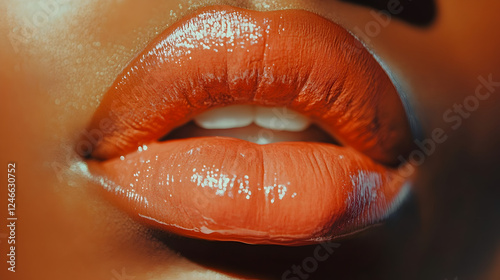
[{"x": 224, "y": 188}]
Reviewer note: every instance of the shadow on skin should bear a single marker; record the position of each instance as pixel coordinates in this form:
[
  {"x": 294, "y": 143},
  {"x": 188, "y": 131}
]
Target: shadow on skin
[{"x": 357, "y": 257}]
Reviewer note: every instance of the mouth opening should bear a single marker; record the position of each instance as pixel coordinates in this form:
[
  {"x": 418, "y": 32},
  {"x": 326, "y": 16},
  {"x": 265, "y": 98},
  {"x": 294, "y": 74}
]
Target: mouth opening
[{"x": 256, "y": 124}]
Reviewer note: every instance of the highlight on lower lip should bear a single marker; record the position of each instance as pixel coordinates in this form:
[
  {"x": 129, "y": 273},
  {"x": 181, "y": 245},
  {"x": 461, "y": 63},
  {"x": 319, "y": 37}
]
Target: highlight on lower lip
[
  {"x": 228, "y": 189},
  {"x": 223, "y": 188}
]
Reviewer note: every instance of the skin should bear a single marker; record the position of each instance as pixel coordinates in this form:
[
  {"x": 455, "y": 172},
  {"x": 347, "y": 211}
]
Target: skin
[{"x": 52, "y": 82}]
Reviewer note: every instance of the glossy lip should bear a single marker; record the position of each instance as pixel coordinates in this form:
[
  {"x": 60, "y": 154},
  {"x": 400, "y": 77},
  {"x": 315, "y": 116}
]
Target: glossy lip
[{"x": 221, "y": 188}]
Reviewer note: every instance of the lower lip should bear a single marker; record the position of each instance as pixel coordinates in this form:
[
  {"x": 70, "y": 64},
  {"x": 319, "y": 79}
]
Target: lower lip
[{"x": 219, "y": 188}]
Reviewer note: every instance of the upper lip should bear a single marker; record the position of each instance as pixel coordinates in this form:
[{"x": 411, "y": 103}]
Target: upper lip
[{"x": 222, "y": 56}]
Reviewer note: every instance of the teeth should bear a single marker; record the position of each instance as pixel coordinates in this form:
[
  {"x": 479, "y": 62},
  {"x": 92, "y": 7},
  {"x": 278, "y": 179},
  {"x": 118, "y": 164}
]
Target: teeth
[
  {"x": 226, "y": 117},
  {"x": 275, "y": 118},
  {"x": 281, "y": 119}
]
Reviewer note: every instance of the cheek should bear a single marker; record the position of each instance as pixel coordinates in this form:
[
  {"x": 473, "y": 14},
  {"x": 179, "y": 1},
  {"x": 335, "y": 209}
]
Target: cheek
[{"x": 55, "y": 69}]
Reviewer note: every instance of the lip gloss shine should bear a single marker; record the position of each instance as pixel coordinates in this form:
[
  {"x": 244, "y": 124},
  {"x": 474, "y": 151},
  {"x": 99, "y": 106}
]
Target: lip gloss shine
[{"x": 223, "y": 188}]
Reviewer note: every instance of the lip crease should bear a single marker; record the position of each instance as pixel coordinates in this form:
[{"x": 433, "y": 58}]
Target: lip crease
[{"x": 223, "y": 188}]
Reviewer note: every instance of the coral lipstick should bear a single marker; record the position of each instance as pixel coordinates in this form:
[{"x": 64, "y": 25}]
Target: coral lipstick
[
  {"x": 222, "y": 188},
  {"x": 229, "y": 189}
]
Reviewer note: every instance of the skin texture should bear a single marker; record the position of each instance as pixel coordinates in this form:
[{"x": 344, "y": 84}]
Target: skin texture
[{"x": 52, "y": 83}]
